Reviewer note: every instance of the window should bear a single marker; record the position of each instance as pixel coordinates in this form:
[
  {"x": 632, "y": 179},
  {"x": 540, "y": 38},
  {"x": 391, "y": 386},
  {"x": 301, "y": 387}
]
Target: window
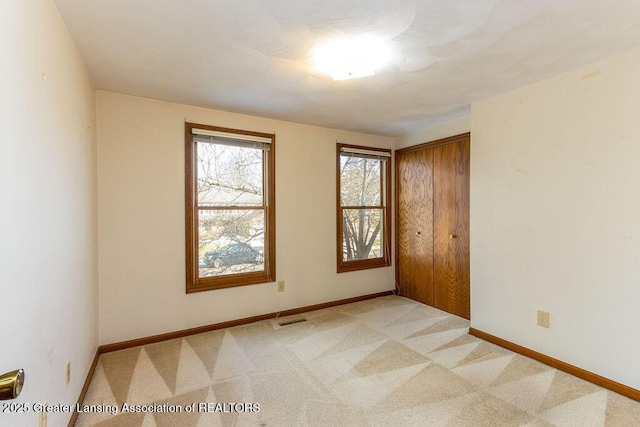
[
  {"x": 363, "y": 220},
  {"x": 230, "y": 207}
]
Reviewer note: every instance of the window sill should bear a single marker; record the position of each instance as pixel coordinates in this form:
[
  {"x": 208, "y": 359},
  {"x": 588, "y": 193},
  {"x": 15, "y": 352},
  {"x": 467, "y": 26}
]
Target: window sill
[
  {"x": 211, "y": 284},
  {"x": 344, "y": 267}
]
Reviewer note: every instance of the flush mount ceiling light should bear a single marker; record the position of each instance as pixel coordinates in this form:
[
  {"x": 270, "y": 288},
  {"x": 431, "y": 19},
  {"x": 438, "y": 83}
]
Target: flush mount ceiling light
[{"x": 350, "y": 58}]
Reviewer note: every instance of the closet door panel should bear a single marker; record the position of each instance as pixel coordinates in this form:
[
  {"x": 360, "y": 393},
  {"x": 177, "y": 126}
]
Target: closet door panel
[
  {"x": 415, "y": 225},
  {"x": 451, "y": 228}
]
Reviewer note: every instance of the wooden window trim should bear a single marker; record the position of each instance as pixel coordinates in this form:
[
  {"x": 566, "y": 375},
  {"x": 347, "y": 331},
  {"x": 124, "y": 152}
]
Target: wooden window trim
[
  {"x": 385, "y": 259},
  {"x": 193, "y": 282}
]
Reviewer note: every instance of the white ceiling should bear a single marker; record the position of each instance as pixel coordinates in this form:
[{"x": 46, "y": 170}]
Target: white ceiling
[{"x": 253, "y": 56}]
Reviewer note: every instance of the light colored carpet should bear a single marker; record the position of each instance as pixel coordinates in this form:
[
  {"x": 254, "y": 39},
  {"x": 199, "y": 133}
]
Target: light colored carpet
[{"x": 389, "y": 361}]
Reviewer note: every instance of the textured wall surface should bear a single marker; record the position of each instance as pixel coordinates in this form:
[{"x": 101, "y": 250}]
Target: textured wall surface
[
  {"x": 554, "y": 216},
  {"x": 48, "y": 212}
]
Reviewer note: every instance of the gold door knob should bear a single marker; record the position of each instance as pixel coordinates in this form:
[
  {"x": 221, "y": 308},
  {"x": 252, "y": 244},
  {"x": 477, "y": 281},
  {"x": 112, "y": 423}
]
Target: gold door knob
[
  {"x": 11, "y": 384},
  {"x": 452, "y": 236}
]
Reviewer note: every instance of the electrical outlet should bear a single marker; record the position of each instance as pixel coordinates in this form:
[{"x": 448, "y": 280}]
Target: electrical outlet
[
  {"x": 68, "y": 373},
  {"x": 280, "y": 285},
  {"x": 42, "y": 416},
  {"x": 543, "y": 318}
]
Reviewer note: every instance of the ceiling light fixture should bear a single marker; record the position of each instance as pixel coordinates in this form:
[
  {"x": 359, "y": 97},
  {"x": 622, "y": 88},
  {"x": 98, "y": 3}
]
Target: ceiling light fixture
[{"x": 350, "y": 58}]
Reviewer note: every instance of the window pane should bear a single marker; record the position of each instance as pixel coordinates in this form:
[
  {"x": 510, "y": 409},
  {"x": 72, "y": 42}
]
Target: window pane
[
  {"x": 360, "y": 181},
  {"x": 229, "y": 176},
  {"x": 230, "y": 241},
  {"x": 361, "y": 234}
]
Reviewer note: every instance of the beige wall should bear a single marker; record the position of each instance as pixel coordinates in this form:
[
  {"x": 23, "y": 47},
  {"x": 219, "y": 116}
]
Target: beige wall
[
  {"x": 141, "y": 220},
  {"x": 555, "y": 216},
  {"x": 48, "y": 227}
]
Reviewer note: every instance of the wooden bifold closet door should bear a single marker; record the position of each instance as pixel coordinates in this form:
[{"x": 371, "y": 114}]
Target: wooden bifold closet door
[{"x": 432, "y": 223}]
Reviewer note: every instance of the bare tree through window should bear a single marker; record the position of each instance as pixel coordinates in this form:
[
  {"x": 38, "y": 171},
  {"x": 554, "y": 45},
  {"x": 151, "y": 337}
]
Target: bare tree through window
[
  {"x": 363, "y": 200},
  {"x": 230, "y": 240},
  {"x": 231, "y": 177},
  {"x": 360, "y": 178}
]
